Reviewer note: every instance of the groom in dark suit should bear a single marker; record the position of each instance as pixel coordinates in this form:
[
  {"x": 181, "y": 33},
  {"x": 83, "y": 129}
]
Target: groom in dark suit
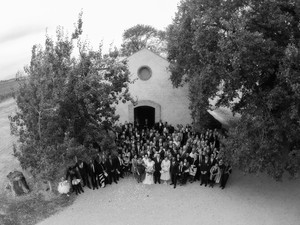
[
  {"x": 157, "y": 168},
  {"x": 174, "y": 169},
  {"x": 180, "y": 173}
]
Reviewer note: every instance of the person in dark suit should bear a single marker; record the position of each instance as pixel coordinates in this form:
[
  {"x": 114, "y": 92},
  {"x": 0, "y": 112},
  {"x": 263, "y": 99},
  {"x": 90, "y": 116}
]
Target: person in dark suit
[
  {"x": 84, "y": 173},
  {"x": 92, "y": 174},
  {"x": 224, "y": 177},
  {"x": 204, "y": 170},
  {"x": 174, "y": 170},
  {"x": 118, "y": 164},
  {"x": 198, "y": 163},
  {"x": 178, "y": 158},
  {"x": 212, "y": 160},
  {"x": 186, "y": 169},
  {"x": 68, "y": 175},
  {"x": 111, "y": 170},
  {"x": 162, "y": 152},
  {"x": 180, "y": 172},
  {"x": 140, "y": 169},
  {"x": 171, "y": 129},
  {"x": 160, "y": 127},
  {"x": 102, "y": 175},
  {"x": 222, "y": 168},
  {"x": 138, "y": 148},
  {"x": 157, "y": 168},
  {"x": 74, "y": 176}
]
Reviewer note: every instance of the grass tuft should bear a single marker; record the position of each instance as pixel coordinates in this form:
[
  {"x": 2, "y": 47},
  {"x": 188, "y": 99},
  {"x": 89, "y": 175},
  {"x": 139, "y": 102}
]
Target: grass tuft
[{"x": 31, "y": 209}]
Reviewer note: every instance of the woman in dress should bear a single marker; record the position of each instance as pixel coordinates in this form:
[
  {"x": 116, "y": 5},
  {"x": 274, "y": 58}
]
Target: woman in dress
[
  {"x": 92, "y": 173},
  {"x": 149, "y": 172},
  {"x": 214, "y": 175},
  {"x": 64, "y": 186},
  {"x": 165, "y": 170}
]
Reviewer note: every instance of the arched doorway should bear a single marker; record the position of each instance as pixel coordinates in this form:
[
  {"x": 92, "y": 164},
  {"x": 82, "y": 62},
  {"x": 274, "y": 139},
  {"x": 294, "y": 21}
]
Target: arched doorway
[
  {"x": 137, "y": 109},
  {"x": 144, "y": 115}
]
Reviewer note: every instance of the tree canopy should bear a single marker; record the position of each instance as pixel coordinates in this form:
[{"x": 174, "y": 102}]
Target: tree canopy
[
  {"x": 143, "y": 36},
  {"x": 66, "y": 106},
  {"x": 244, "y": 53}
]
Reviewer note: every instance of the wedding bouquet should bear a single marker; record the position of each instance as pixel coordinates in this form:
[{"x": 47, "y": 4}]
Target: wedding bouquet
[
  {"x": 76, "y": 181},
  {"x": 149, "y": 170}
]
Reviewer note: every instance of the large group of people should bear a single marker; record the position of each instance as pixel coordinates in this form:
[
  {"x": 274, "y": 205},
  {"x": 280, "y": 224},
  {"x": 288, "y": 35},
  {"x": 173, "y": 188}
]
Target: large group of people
[{"x": 153, "y": 155}]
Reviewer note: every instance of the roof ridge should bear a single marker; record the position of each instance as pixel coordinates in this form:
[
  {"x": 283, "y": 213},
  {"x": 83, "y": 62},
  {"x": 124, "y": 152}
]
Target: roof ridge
[{"x": 149, "y": 51}]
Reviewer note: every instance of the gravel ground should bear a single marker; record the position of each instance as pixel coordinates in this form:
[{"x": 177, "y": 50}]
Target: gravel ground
[{"x": 246, "y": 200}]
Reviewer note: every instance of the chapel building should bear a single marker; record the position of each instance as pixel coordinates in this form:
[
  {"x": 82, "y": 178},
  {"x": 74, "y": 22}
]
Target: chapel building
[{"x": 156, "y": 97}]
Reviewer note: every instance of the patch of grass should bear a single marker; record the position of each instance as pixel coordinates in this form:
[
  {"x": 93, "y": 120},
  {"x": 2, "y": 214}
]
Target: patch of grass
[
  {"x": 31, "y": 209},
  {"x": 8, "y": 88}
]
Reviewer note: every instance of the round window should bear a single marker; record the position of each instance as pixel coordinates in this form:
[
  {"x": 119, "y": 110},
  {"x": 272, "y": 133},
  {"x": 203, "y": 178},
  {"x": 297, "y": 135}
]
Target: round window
[{"x": 144, "y": 73}]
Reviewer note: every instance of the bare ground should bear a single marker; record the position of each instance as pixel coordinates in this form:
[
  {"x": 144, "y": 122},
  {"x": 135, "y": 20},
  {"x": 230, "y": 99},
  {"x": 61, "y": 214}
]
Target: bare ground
[{"x": 247, "y": 200}]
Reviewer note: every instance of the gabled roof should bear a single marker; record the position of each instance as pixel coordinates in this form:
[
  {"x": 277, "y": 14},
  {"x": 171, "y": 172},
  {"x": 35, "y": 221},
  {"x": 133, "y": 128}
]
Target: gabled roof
[{"x": 145, "y": 49}]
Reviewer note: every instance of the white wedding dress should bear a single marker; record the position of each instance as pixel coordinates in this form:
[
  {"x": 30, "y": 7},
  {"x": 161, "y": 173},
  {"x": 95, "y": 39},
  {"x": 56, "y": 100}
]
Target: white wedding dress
[
  {"x": 165, "y": 167},
  {"x": 149, "y": 173}
]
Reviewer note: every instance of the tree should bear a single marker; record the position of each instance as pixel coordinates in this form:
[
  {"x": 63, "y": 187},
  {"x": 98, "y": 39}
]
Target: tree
[
  {"x": 143, "y": 36},
  {"x": 246, "y": 54},
  {"x": 67, "y": 104}
]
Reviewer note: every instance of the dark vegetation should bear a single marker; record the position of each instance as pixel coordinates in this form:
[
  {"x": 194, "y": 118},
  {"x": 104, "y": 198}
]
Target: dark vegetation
[
  {"x": 247, "y": 54},
  {"x": 66, "y": 106}
]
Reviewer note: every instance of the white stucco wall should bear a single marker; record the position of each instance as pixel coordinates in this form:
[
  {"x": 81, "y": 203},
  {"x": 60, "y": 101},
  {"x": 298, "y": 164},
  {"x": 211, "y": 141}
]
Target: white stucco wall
[{"x": 173, "y": 101}]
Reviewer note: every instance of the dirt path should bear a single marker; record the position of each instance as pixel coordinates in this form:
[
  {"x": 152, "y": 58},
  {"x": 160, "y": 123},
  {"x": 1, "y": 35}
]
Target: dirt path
[
  {"x": 7, "y": 161},
  {"x": 247, "y": 200}
]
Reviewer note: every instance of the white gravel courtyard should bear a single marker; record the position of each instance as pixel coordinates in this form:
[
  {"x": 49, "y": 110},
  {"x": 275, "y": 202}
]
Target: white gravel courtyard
[{"x": 246, "y": 200}]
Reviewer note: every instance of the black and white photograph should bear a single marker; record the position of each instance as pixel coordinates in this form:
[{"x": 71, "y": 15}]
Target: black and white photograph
[{"x": 162, "y": 112}]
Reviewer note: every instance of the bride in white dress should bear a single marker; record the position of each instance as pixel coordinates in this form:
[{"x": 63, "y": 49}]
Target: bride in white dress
[
  {"x": 165, "y": 170},
  {"x": 149, "y": 172}
]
